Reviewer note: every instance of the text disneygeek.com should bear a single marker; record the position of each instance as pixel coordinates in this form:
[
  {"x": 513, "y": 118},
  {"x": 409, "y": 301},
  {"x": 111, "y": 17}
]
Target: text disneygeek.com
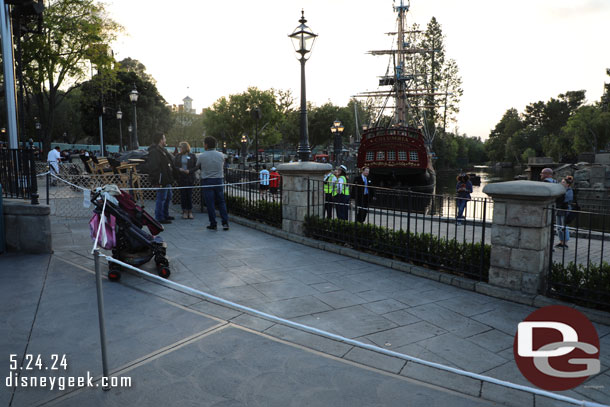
[{"x": 62, "y": 382}]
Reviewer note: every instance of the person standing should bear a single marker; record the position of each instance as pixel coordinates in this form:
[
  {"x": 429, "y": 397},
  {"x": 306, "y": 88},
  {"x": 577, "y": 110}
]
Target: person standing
[
  {"x": 161, "y": 175},
  {"x": 53, "y": 159},
  {"x": 342, "y": 193},
  {"x": 564, "y": 208},
  {"x": 463, "y": 189},
  {"x": 186, "y": 163},
  {"x": 362, "y": 192},
  {"x": 329, "y": 186},
  {"x": 546, "y": 175},
  {"x": 274, "y": 181},
  {"x": 263, "y": 176},
  {"x": 211, "y": 163}
]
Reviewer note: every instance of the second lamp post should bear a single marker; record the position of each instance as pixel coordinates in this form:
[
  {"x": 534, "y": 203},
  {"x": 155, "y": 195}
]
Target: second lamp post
[
  {"x": 133, "y": 96},
  {"x": 337, "y": 129},
  {"x": 302, "y": 40}
]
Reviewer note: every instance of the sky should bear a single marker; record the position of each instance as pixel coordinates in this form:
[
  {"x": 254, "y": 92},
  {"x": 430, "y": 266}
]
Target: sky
[{"x": 509, "y": 53}]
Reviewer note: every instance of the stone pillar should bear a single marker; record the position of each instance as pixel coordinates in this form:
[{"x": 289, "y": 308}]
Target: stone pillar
[
  {"x": 520, "y": 235},
  {"x": 294, "y": 192}
]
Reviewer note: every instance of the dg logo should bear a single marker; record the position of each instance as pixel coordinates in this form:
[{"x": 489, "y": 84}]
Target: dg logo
[{"x": 557, "y": 348}]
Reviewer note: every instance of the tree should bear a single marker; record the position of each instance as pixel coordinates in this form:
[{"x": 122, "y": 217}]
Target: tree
[
  {"x": 229, "y": 119},
  {"x": 73, "y": 32},
  {"x": 589, "y": 127},
  {"x": 500, "y": 135},
  {"x": 110, "y": 90}
]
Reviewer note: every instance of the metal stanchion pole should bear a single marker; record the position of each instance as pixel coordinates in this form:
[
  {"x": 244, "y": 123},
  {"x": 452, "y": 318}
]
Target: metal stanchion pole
[
  {"x": 48, "y": 182},
  {"x": 100, "y": 311}
]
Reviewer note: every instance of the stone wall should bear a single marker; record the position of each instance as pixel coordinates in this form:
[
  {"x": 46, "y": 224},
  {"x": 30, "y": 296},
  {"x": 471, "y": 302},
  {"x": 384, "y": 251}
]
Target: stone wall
[{"x": 27, "y": 227}]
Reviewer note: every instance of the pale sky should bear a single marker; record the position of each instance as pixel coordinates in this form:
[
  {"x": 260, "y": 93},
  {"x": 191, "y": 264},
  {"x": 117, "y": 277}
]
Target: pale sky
[{"x": 510, "y": 53}]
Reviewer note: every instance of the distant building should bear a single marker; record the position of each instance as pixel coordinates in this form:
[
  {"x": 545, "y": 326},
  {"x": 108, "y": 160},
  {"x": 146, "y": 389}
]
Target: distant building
[{"x": 188, "y": 105}]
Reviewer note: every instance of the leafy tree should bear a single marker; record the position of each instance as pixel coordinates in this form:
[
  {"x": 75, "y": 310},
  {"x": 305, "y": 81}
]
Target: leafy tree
[
  {"x": 499, "y": 136},
  {"x": 73, "y": 32},
  {"x": 110, "y": 89},
  {"x": 229, "y": 119},
  {"x": 589, "y": 127}
]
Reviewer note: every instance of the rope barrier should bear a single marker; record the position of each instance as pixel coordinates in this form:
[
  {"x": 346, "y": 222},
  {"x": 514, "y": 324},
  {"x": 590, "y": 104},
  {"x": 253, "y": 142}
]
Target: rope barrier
[{"x": 357, "y": 343}]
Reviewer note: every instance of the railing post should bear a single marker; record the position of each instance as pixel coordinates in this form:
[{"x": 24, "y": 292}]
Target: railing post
[
  {"x": 33, "y": 180},
  {"x": 48, "y": 184},
  {"x": 100, "y": 312},
  {"x": 483, "y": 226}
]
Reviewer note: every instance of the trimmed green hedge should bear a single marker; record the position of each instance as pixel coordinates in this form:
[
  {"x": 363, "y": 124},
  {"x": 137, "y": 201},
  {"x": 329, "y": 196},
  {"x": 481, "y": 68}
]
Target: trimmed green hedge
[
  {"x": 442, "y": 254},
  {"x": 262, "y": 211},
  {"x": 577, "y": 283}
]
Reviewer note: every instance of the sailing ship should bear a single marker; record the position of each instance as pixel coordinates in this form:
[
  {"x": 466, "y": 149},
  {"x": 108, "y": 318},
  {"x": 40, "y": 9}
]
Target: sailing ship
[{"x": 396, "y": 148}]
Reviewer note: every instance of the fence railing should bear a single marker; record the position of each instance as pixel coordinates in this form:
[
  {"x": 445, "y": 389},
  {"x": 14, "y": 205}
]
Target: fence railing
[
  {"x": 18, "y": 174},
  {"x": 579, "y": 266},
  {"x": 254, "y": 200},
  {"x": 409, "y": 226}
]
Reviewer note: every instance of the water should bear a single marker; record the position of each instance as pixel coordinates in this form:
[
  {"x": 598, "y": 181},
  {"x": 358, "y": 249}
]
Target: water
[{"x": 446, "y": 180}]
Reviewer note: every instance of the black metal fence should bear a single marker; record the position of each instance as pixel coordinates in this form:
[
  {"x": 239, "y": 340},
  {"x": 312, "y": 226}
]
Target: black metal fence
[
  {"x": 250, "y": 197},
  {"x": 579, "y": 266},
  {"x": 18, "y": 174},
  {"x": 408, "y": 226}
]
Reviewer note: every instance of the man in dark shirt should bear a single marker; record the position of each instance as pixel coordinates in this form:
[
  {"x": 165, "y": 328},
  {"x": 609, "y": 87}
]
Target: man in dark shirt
[{"x": 161, "y": 175}]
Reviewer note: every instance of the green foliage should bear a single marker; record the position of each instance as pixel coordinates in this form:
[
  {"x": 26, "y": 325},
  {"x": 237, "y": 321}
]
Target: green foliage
[
  {"x": 443, "y": 254},
  {"x": 589, "y": 128},
  {"x": 576, "y": 281},
  {"x": 73, "y": 32},
  {"x": 496, "y": 144},
  {"x": 262, "y": 211},
  {"x": 115, "y": 86}
]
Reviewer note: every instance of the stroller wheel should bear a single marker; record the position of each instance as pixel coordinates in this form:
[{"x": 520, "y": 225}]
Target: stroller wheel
[
  {"x": 164, "y": 272},
  {"x": 114, "y": 272},
  {"x": 114, "y": 275}
]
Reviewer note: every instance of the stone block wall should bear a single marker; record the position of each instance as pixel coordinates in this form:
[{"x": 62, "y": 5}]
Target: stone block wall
[{"x": 27, "y": 227}]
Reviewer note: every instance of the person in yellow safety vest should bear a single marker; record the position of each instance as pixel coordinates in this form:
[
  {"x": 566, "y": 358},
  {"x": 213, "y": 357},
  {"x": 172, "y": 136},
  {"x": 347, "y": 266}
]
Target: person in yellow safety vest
[
  {"x": 329, "y": 187},
  {"x": 341, "y": 193}
]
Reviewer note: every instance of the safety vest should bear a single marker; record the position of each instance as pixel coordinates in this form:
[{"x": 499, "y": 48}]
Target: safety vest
[
  {"x": 344, "y": 185},
  {"x": 329, "y": 183}
]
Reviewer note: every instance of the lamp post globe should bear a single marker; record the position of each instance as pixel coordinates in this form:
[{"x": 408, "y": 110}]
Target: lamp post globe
[
  {"x": 303, "y": 39},
  {"x": 133, "y": 97},
  {"x": 244, "y": 151}
]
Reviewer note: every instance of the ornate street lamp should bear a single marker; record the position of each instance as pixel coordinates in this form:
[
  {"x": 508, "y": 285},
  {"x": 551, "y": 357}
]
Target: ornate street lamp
[
  {"x": 302, "y": 40},
  {"x": 337, "y": 129},
  {"x": 133, "y": 96},
  {"x": 130, "y": 130},
  {"x": 244, "y": 151},
  {"x": 119, "y": 117}
]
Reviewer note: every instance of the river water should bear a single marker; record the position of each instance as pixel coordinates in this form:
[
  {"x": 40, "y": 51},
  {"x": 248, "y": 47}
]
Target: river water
[{"x": 446, "y": 180}]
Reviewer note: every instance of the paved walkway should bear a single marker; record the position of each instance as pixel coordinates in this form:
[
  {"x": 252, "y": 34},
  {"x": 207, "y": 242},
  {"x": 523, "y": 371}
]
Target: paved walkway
[{"x": 179, "y": 349}]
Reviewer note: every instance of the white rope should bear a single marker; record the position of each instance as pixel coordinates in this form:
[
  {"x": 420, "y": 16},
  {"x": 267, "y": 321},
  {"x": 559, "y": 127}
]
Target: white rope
[
  {"x": 360, "y": 344},
  {"x": 99, "y": 227}
]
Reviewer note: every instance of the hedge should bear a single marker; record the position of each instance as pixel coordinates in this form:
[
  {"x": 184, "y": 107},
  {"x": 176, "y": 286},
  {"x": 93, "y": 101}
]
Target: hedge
[{"x": 462, "y": 258}]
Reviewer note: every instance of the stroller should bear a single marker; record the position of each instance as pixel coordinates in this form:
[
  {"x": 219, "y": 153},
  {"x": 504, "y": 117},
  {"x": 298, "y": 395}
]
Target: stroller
[{"x": 129, "y": 242}]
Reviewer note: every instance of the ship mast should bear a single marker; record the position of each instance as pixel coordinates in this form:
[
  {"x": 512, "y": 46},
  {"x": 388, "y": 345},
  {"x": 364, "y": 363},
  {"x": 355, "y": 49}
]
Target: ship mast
[{"x": 400, "y": 113}]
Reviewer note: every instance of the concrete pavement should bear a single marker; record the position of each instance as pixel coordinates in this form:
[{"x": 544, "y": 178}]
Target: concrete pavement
[{"x": 180, "y": 349}]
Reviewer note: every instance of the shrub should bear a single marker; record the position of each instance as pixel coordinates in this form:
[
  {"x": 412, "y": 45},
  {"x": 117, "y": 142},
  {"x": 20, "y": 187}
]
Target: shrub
[
  {"x": 576, "y": 282},
  {"x": 463, "y": 258},
  {"x": 262, "y": 211}
]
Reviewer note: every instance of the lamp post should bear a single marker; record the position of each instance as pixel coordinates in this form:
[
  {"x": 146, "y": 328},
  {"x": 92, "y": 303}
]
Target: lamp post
[
  {"x": 244, "y": 151},
  {"x": 133, "y": 96},
  {"x": 119, "y": 117},
  {"x": 302, "y": 40},
  {"x": 130, "y": 130},
  {"x": 256, "y": 115},
  {"x": 337, "y": 129}
]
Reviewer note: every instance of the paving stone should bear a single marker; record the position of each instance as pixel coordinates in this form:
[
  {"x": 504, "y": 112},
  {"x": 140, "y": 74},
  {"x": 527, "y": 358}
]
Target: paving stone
[
  {"x": 309, "y": 340},
  {"x": 443, "y": 378},
  {"x": 401, "y": 317},
  {"x": 284, "y": 289},
  {"x": 325, "y": 287},
  {"x": 493, "y": 340},
  {"x": 404, "y": 335},
  {"x": 351, "y": 322},
  {"x": 375, "y": 359},
  {"x": 464, "y": 354},
  {"x": 340, "y": 299},
  {"x": 448, "y": 320},
  {"x": 296, "y": 307},
  {"x": 384, "y": 306},
  {"x": 507, "y": 396}
]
